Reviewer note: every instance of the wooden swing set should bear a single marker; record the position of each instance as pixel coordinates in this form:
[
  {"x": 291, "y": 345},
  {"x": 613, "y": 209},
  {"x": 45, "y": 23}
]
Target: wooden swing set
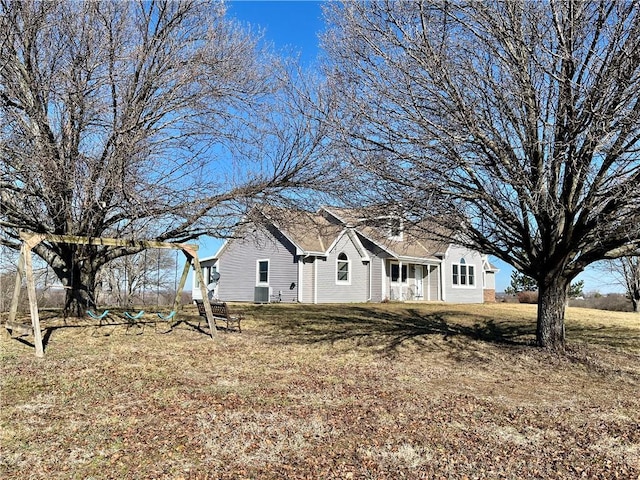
[{"x": 25, "y": 269}]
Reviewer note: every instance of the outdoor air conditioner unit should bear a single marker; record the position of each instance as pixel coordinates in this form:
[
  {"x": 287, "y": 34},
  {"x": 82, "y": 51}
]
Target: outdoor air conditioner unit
[{"x": 262, "y": 294}]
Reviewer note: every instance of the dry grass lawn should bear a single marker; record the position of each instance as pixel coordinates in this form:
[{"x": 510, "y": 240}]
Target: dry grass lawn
[{"x": 326, "y": 392}]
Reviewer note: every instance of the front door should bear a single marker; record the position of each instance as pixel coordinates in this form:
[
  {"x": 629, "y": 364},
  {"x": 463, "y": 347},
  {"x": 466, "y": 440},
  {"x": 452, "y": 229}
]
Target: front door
[{"x": 419, "y": 276}]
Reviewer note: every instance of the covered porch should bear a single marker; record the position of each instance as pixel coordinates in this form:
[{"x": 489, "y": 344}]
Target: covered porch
[{"x": 410, "y": 280}]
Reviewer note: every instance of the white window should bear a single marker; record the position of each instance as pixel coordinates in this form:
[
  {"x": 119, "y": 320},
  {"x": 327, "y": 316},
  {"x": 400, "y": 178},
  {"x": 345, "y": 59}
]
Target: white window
[
  {"x": 343, "y": 266},
  {"x": 463, "y": 275},
  {"x": 398, "y": 274},
  {"x": 262, "y": 272}
]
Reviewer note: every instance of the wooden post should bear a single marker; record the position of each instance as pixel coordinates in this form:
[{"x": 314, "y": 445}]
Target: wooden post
[
  {"x": 183, "y": 280},
  {"x": 16, "y": 289},
  {"x": 205, "y": 295},
  {"x": 33, "y": 301},
  {"x": 30, "y": 240}
]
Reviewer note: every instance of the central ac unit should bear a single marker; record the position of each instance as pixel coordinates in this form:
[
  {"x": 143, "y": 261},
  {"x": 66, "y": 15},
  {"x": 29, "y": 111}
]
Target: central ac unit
[{"x": 262, "y": 295}]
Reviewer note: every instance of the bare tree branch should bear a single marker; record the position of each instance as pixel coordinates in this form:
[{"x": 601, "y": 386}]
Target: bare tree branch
[{"x": 521, "y": 118}]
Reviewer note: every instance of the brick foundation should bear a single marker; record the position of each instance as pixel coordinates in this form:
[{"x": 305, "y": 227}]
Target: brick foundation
[{"x": 489, "y": 295}]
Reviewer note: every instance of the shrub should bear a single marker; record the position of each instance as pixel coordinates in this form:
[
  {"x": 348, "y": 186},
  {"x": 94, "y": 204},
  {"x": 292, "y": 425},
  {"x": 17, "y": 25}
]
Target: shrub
[{"x": 528, "y": 296}]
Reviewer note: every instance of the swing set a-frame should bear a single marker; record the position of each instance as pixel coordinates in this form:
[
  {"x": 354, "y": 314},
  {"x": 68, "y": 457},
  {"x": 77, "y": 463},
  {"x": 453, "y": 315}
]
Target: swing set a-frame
[{"x": 25, "y": 270}]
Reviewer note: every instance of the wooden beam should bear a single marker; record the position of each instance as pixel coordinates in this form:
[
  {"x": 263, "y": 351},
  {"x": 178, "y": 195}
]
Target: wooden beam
[{"x": 33, "y": 239}]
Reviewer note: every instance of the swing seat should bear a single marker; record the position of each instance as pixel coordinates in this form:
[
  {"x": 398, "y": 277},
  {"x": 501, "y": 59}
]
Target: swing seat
[
  {"x": 169, "y": 316},
  {"x": 134, "y": 317},
  {"x": 96, "y": 316}
]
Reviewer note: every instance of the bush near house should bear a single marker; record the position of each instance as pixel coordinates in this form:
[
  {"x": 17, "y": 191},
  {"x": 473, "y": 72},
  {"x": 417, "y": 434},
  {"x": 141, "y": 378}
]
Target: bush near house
[{"x": 527, "y": 297}]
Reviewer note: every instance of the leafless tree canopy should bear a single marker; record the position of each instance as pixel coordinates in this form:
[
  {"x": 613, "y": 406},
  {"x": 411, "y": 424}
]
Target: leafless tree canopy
[
  {"x": 626, "y": 272},
  {"x": 518, "y": 121},
  {"x": 139, "y": 120}
]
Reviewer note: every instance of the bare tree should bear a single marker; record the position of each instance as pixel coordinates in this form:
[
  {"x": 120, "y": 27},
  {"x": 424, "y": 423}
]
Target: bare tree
[
  {"x": 515, "y": 124},
  {"x": 626, "y": 271},
  {"x": 152, "y": 120},
  {"x": 147, "y": 278}
]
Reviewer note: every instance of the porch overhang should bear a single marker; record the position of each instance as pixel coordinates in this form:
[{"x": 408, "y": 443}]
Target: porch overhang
[{"x": 418, "y": 260}]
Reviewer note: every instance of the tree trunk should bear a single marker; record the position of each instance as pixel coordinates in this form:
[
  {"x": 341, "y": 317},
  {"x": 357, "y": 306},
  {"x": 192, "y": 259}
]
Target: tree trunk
[
  {"x": 80, "y": 285},
  {"x": 552, "y": 302},
  {"x": 635, "y": 300}
]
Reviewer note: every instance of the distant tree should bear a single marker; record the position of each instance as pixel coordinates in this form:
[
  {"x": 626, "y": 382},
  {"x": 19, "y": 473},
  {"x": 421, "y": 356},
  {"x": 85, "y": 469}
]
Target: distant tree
[
  {"x": 513, "y": 123},
  {"x": 520, "y": 283},
  {"x": 576, "y": 289},
  {"x": 140, "y": 120},
  {"x": 140, "y": 279},
  {"x": 626, "y": 271},
  {"x": 524, "y": 283}
]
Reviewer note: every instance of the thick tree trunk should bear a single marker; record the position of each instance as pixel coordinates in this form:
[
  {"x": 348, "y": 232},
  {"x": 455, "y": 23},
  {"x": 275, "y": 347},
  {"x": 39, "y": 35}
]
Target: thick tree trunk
[
  {"x": 635, "y": 301},
  {"x": 552, "y": 303},
  {"x": 80, "y": 290}
]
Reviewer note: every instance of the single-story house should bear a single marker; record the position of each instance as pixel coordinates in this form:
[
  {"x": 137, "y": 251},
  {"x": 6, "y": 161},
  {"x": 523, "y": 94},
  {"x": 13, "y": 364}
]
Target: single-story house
[{"x": 335, "y": 256}]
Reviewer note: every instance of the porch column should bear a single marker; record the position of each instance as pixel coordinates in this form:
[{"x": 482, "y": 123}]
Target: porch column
[
  {"x": 386, "y": 292},
  {"x": 300, "y": 277},
  {"x": 400, "y": 279}
]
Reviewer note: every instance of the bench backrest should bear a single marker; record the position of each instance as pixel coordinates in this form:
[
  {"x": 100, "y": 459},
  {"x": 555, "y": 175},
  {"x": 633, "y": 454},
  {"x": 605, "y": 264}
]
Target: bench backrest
[
  {"x": 201, "y": 310},
  {"x": 218, "y": 309}
]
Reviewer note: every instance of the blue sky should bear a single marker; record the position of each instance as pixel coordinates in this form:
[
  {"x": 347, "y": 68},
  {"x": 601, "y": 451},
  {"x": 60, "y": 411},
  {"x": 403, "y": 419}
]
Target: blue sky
[
  {"x": 287, "y": 24},
  {"x": 294, "y": 26}
]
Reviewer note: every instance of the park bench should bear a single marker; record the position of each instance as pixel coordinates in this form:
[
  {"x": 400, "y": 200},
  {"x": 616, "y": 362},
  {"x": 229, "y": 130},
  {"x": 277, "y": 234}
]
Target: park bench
[{"x": 220, "y": 311}]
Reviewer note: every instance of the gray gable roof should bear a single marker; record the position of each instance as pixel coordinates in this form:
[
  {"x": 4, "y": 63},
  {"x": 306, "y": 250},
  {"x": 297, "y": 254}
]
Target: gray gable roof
[
  {"x": 315, "y": 233},
  {"x": 309, "y": 232},
  {"x": 415, "y": 241}
]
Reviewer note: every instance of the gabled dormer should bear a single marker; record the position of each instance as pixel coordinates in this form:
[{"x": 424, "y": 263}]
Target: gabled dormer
[{"x": 389, "y": 226}]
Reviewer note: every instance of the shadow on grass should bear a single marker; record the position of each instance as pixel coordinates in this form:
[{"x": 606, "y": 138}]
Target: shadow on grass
[
  {"x": 390, "y": 329},
  {"x": 606, "y": 335},
  {"x": 52, "y": 323}
]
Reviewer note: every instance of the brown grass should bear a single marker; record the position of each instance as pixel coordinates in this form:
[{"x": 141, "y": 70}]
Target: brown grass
[{"x": 350, "y": 391}]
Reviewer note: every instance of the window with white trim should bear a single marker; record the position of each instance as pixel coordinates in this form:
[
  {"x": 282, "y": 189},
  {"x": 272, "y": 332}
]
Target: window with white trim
[
  {"x": 262, "y": 272},
  {"x": 463, "y": 275},
  {"x": 396, "y": 271},
  {"x": 343, "y": 266}
]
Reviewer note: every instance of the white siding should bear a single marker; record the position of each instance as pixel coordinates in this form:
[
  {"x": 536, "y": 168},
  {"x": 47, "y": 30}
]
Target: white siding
[
  {"x": 490, "y": 280},
  {"x": 462, "y": 294},
  {"x": 433, "y": 283}
]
